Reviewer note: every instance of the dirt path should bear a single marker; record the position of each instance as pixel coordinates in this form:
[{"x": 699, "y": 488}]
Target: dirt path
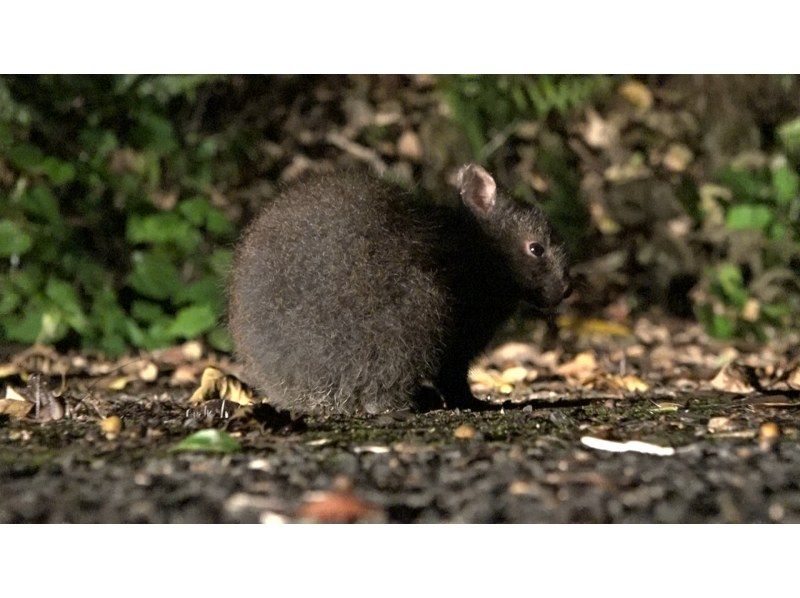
[
  {"x": 727, "y": 418},
  {"x": 524, "y": 465}
]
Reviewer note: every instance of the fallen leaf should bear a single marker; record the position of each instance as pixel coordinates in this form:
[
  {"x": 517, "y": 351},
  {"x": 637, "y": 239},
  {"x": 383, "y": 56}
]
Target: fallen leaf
[
  {"x": 148, "y": 372},
  {"x": 592, "y": 326},
  {"x": 630, "y": 383},
  {"x": 8, "y": 369},
  {"x": 735, "y": 378},
  {"x": 635, "y": 446},
  {"x": 666, "y": 407},
  {"x": 583, "y": 366},
  {"x": 409, "y": 145},
  {"x": 208, "y": 441},
  {"x": 119, "y": 383},
  {"x": 184, "y": 375},
  {"x": 14, "y": 404},
  {"x": 515, "y": 375},
  {"x": 768, "y": 434},
  {"x": 215, "y": 384},
  {"x": 464, "y": 432},
  {"x": 637, "y": 94},
  {"x": 720, "y": 424},
  {"x": 751, "y": 310},
  {"x": 793, "y": 379},
  {"x": 513, "y": 353},
  {"x": 337, "y": 507},
  {"x": 678, "y": 157}
]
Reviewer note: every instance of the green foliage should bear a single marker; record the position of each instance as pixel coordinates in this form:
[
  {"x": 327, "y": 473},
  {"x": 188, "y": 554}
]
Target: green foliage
[
  {"x": 106, "y": 214},
  {"x": 756, "y": 284},
  {"x": 485, "y": 105}
]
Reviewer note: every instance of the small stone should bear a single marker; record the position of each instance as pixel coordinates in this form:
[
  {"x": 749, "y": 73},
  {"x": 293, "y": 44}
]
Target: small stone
[
  {"x": 464, "y": 432},
  {"x": 111, "y": 426}
]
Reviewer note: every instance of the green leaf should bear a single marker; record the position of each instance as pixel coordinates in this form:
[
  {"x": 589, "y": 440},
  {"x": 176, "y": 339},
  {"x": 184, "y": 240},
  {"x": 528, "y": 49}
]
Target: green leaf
[
  {"x": 208, "y": 289},
  {"x": 786, "y": 184},
  {"x": 156, "y": 133},
  {"x": 221, "y": 261},
  {"x": 40, "y": 323},
  {"x": 208, "y": 441},
  {"x": 218, "y": 224},
  {"x": 28, "y": 280},
  {"x": 40, "y": 201},
  {"x": 147, "y": 311},
  {"x": 744, "y": 184},
  {"x": 789, "y": 134},
  {"x": 163, "y": 228},
  {"x": 57, "y": 171},
  {"x": 748, "y": 216},
  {"x": 13, "y": 240},
  {"x": 154, "y": 275},
  {"x": 195, "y": 210},
  {"x": 9, "y": 299},
  {"x": 220, "y": 339},
  {"x": 731, "y": 281},
  {"x": 65, "y": 296},
  {"x": 26, "y": 157},
  {"x": 192, "y": 321},
  {"x": 722, "y": 327}
]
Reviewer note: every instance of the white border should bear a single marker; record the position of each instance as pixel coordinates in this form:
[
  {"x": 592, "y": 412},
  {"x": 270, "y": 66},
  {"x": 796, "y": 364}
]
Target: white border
[{"x": 410, "y": 36}]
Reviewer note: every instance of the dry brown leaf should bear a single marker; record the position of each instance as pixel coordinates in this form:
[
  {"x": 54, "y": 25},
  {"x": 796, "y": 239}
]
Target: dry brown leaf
[
  {"x": 215, "y": 384},
  {"x": 118, "y": 383},
  {"x": 720, "y": 424},
  {"x": 480, "y": 376},
  {"x": 678, "y": 157},
  {"x": 793, "y": 379},
  {"x": 148, "y": 372},
  {"x": 581, "y": 368},
  {"x": 734, "y": 378},
  {"x": 769, "y": 431},
  {"x": 464, "y": 432},
  {"x": 637, "y": 93},
  {"x": 8, "y": 369},
  {"x": 630, "y": 383},
  {"x": 513, "y": 353},
  {"x": 14, "y": 404},
  {"x": 515, "y": 375},
  {"x": 409, "y": 145},
  {"x": 337, "y": 507},
  {"x": 184, "y": 375},
  {"x": 592, "y": 326}
]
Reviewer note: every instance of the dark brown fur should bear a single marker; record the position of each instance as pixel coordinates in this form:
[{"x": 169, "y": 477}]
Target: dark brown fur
[{"x": 347, "y": 295}]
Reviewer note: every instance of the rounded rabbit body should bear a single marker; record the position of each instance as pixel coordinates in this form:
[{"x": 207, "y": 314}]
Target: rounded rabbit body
[{"x": 349, "y": 296}]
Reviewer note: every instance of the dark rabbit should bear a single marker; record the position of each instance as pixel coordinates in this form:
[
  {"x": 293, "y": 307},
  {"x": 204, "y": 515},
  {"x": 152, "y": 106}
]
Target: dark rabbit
[{"x": 348, "y": 296}]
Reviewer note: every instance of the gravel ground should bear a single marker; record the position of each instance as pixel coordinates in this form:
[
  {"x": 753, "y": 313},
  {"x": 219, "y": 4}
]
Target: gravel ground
[{"x": 522, "y": 465}]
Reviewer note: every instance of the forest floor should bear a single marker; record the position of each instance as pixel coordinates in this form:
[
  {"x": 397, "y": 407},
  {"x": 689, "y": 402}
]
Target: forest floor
[{"x": 716, "y": 430}]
